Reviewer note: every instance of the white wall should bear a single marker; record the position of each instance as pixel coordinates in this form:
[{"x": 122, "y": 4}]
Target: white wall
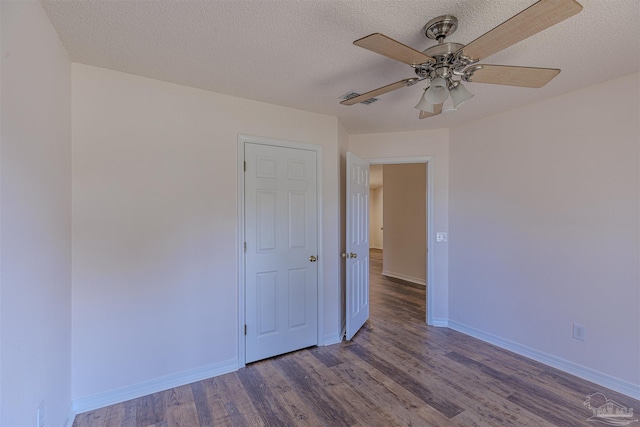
[
  {"x": 544, "y": 228},
  {"x": 155, "y": 225},
  {"x": 405, "y": 230},
  {"x": 434, "y": 143},
  {"x": 35, "y": 218},
  {"x": 376, "y": 216}
]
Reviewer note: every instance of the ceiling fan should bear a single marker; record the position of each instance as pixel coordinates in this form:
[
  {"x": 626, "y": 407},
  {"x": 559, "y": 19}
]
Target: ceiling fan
[{"x": 447, "y": 64}]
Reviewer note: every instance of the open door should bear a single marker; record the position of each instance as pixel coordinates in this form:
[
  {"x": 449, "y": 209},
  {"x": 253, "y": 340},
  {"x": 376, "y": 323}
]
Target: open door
[{"x": 357, "y": 255}]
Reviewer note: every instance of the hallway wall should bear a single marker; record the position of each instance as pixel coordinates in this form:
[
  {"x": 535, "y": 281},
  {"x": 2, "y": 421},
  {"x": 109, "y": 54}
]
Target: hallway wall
[
  {"x": 405, "y": 222},
  {"x": 376, "y": 218}
]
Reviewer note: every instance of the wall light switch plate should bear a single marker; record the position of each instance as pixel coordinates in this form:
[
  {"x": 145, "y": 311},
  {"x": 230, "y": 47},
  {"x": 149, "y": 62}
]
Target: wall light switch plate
[
  {"x": 441, "y": 236},
  {"x": 579, "y": 332}
]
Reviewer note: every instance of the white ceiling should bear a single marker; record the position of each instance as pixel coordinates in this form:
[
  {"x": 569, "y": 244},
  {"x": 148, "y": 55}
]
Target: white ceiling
[{"x": 299, "y": 53}]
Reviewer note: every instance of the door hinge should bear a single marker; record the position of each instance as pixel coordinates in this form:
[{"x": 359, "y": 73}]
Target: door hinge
[
  {"x": 245, "y": 166},
  {"x": 245, "y": 329},
  {"x": 245, "y": 247}
]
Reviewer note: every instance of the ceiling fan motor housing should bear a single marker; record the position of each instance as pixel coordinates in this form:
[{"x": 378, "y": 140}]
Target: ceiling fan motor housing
[
  {"x": 446, "y": 61},
  {"x": 441, "y": 27}
]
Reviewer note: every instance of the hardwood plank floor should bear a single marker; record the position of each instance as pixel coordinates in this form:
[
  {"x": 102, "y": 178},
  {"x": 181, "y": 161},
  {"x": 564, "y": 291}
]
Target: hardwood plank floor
[{"x": 397, "y": 371}]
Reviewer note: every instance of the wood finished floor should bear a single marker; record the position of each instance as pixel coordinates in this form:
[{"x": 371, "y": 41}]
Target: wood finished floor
[{"x": 397, "y": 371}]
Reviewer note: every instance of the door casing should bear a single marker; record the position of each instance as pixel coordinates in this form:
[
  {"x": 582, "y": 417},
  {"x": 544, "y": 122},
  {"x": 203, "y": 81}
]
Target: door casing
[{"x": 242, "y": 140}]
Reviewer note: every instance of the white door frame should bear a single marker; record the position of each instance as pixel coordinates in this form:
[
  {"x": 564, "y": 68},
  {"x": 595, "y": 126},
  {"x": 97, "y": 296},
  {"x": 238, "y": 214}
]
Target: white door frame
[
  {"x": 242, "y": 140},
  {"x": 428, "y": 161}
]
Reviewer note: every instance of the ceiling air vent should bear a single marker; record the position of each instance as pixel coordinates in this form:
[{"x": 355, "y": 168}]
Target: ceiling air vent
[{"x": 350, "y": 95}]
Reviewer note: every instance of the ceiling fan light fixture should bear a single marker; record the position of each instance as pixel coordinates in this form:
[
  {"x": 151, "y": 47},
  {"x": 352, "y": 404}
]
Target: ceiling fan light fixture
[
  {"x": 424, "y": 105},
  {"x": 437, "y": 93},
  {"x": 459, "y": 95}
]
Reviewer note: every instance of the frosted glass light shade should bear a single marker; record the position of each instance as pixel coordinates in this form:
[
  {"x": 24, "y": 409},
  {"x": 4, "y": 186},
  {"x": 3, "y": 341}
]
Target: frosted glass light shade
[
  {"x": 459, "y": 95},
  {"x": 437, "y": 92},
  {"x": 424, "y": 105}
]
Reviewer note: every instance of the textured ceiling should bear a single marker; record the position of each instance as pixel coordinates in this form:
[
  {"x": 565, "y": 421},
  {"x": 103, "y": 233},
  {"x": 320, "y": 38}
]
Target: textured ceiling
[{"x": 299, "y": 53}]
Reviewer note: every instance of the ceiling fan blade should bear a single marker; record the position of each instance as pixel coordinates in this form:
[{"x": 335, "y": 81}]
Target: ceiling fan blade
[
  {"x": 513, "y": 76},
  {"x": 379, "y": 43},
  {"x": 530, "y": 21},
  {"x": 380, "y": 91},
  {"x": 425, "y": 114}
]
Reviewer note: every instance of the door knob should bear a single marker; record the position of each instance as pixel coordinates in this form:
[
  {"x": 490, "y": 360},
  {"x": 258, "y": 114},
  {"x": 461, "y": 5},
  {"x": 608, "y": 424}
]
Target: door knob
[
  {"x": 312, "y": 258},
  {"x": 353, "y": 255},
  {"x": 345, "y": 255}
]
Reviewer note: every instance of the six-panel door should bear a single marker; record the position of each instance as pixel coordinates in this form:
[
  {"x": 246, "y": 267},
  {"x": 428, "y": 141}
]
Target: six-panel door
[
  {"x": 357, "y": 255},
  {"x": 280, "y": 260}
]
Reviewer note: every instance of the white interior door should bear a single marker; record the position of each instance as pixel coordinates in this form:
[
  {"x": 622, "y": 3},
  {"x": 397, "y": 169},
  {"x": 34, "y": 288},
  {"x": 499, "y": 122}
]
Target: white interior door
[
  {"x": 357, "y": 255},
  {"x": 281, "y": 274}
]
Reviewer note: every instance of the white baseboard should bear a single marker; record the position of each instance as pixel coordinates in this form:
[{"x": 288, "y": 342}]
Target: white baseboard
[
  {"x": 336, "y": 338},
  {"x": 71, "y": 415},
  {"x": 333, "y": 339},
  {"x": 608, "y": 381},
  {"x": 404, "y": 277},
  {"x": 134, "y": 391},
  {"x": 440, "y": 322}
]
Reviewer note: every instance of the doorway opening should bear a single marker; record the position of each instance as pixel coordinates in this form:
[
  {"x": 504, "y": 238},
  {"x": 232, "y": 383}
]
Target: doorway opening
[{"x": 406, "y": 233}]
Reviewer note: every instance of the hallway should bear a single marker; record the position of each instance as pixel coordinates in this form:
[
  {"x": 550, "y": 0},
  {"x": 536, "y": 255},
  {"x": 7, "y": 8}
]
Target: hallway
[{"x": 394, "y": 300}]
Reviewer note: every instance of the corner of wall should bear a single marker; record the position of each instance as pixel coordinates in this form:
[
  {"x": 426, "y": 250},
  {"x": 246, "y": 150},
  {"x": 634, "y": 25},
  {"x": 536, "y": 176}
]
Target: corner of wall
[{"x": 35, "y": 253}]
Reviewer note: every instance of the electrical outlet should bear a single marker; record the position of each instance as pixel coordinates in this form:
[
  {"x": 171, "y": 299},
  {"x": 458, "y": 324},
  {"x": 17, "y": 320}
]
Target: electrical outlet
[
  {"x": 441, "y": 236},
  {"x": 579, "y": 332},
  {"x": 40, "y": 415}
]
